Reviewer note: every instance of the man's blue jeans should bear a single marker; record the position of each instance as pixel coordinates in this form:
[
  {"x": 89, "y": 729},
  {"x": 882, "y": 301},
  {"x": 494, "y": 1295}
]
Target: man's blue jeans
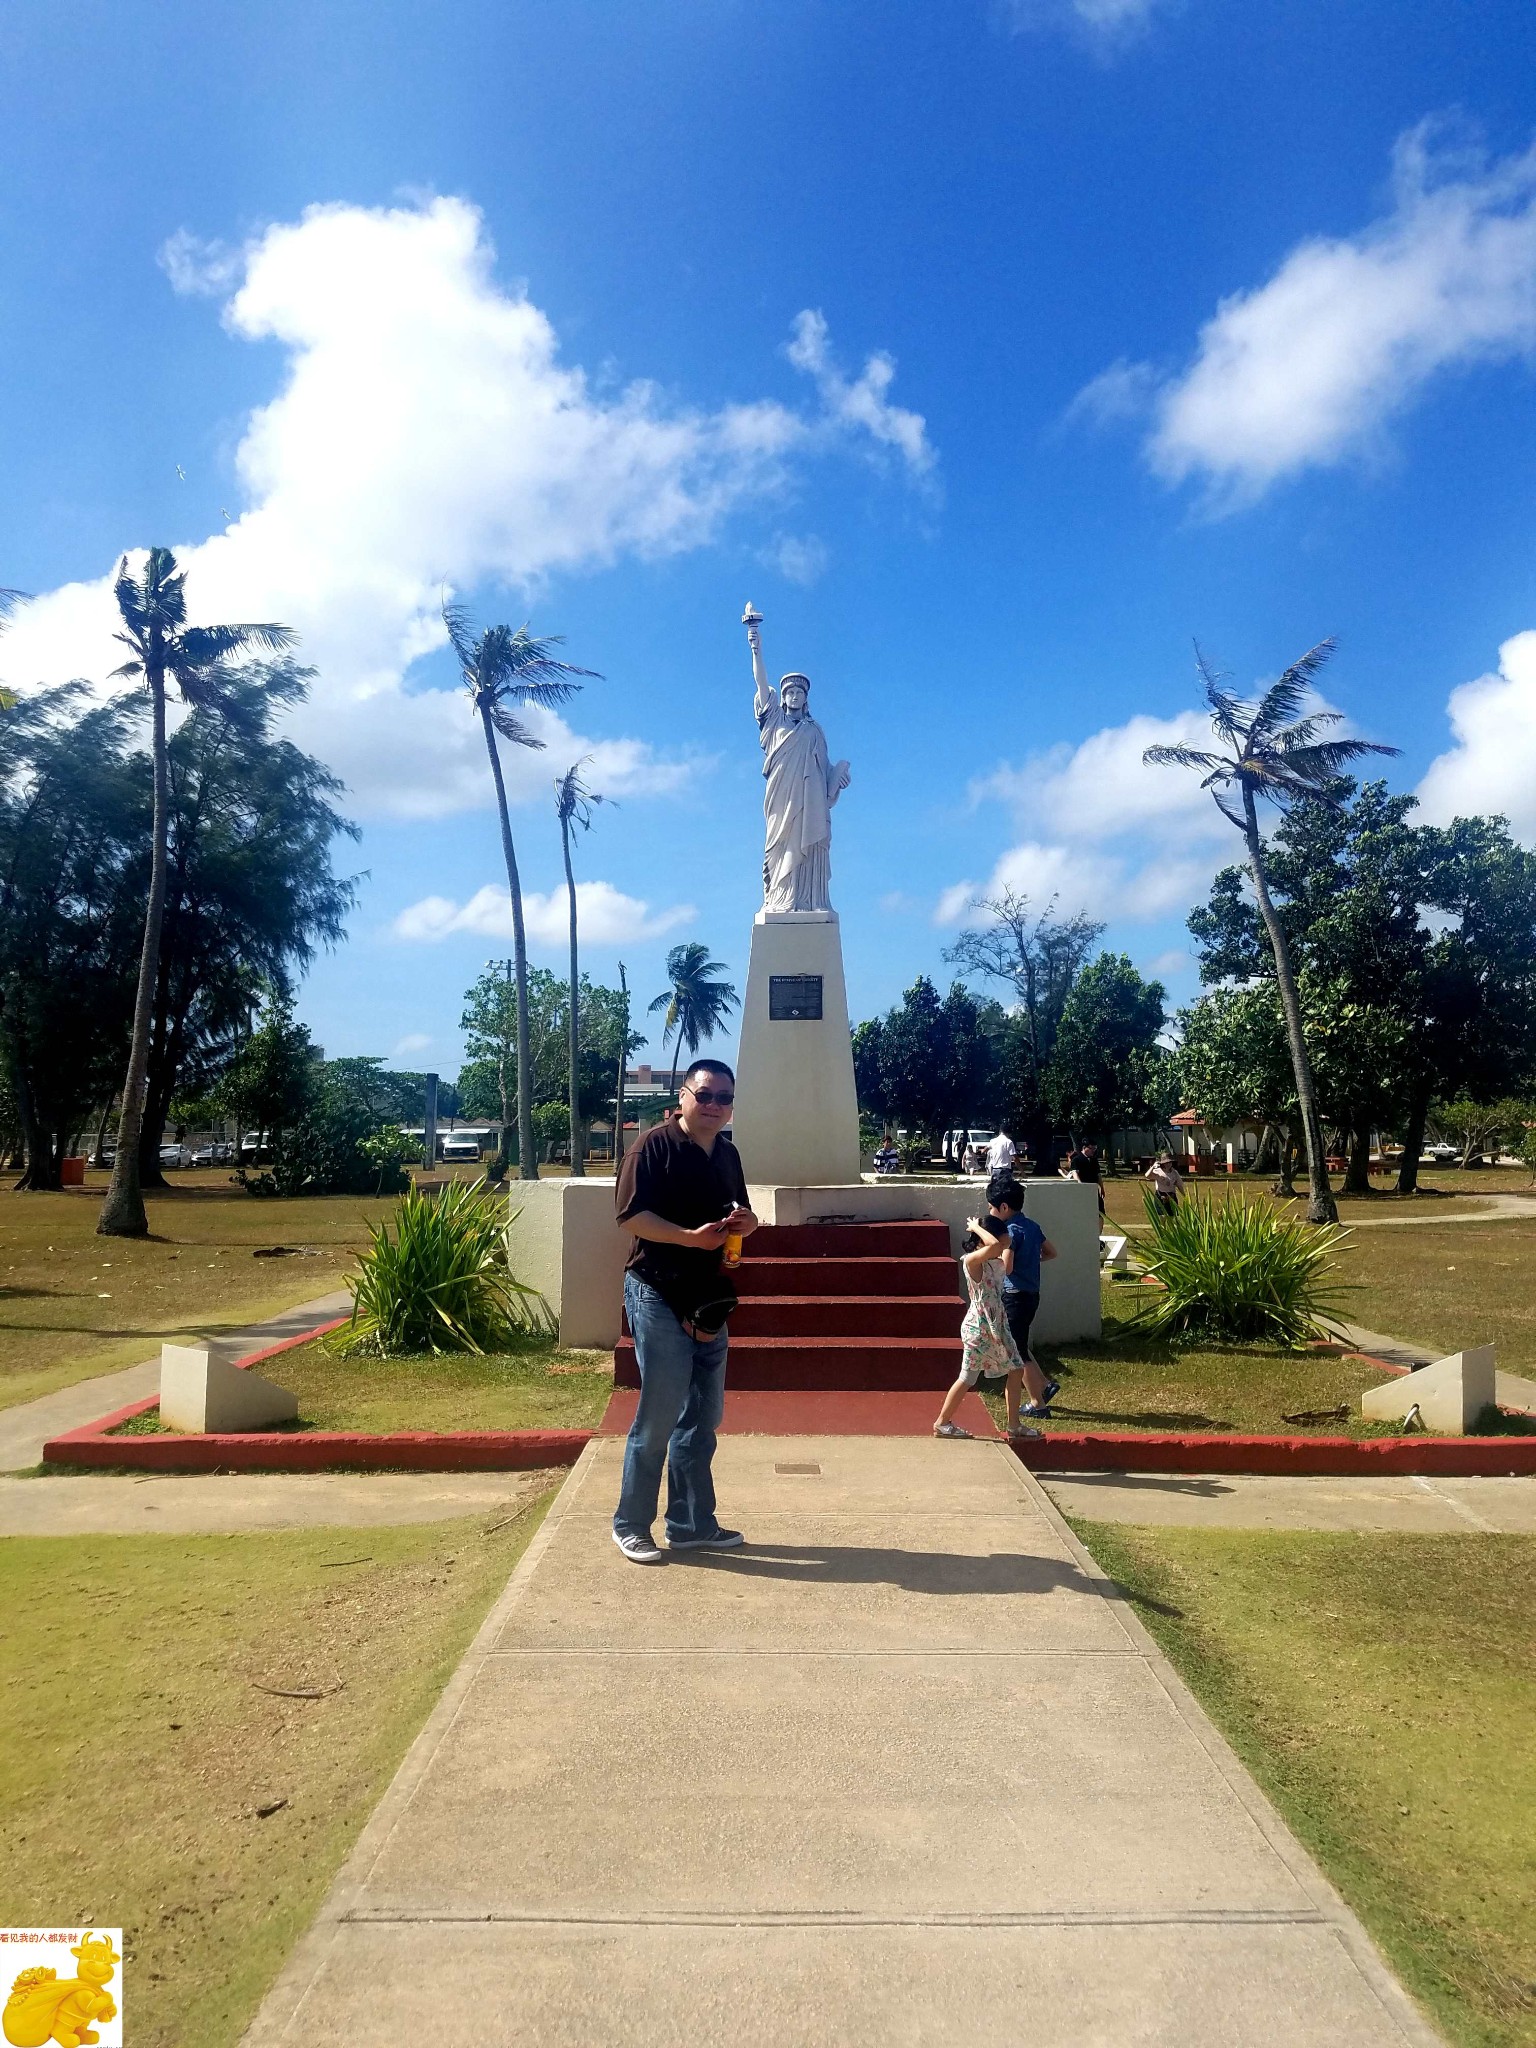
[{"x": 682, "y": 1397}]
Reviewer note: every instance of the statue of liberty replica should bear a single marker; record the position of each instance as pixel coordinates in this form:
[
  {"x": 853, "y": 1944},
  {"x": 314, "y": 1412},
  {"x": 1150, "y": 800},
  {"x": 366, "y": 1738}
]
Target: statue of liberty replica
[
  {"x": 801, "y": 787},
  {"x": 797, "y": 1120}
]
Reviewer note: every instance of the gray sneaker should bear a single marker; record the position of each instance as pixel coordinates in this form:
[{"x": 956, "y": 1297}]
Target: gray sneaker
[{"x": 639, "y": 1549}]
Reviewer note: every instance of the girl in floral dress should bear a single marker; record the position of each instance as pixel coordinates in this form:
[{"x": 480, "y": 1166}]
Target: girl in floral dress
[{"x": 988, "y": 1350}]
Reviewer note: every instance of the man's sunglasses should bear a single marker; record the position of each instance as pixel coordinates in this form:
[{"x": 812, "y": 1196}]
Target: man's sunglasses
[{"x": 709, "y": 1095}]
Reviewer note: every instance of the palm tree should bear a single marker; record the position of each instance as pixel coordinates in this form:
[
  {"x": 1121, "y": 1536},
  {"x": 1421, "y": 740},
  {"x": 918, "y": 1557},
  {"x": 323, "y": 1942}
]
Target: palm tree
[
  {"x": 202, "y": 661},
  {"x": 695, "y": 1002},
  {"x": 1270, "y": 750},
  {"x": 504, "y": 672},
  {"x": 574, "y": 804}
]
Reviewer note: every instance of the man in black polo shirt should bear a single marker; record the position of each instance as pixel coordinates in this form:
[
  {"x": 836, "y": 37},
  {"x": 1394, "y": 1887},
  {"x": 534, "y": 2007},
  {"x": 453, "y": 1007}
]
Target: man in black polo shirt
[{"x": 680, "y": 1191}]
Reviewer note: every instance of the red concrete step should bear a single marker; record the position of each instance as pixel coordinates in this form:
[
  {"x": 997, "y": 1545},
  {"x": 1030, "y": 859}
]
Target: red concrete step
[
  {"x": 849, "y": 1241},
  {"x": 867, "y": 1277},
  {"x": 848, "y": 1315},
  {"x": 891, "y": 1363}
]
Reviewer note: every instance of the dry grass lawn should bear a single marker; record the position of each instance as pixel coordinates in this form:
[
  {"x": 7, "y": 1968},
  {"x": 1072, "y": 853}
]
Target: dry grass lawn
[
  {"x": 1382, "y": 1689},
  {"x": 1467, "y": 1284},
  {"x": 1441, "y": 1192},
  {"x": 138, "y": 1748},
  {"x": 73, "y": 1304}
]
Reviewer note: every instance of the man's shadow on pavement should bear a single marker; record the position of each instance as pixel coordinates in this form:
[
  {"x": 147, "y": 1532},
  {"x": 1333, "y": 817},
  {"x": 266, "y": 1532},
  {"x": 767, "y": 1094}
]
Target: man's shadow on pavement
[{"x": 913, "y": 1571}]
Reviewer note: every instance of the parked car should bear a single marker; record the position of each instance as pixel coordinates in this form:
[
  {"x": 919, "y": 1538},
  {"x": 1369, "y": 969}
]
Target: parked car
[
  {"x": 457, "y": 1146},
  {"x": 213, "y": 1155},
  {"x": 173, "y": 1155}
]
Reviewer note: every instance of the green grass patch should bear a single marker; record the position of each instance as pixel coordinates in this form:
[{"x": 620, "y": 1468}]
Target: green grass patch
[
  {"x": 1382, "y": 1689},
  {"x": 1131, "y": 1379},
  {"x": 138, "y": 1744},
  {"x": 539, "y": 1388}
]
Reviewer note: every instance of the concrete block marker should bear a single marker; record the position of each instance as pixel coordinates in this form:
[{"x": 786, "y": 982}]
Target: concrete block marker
[
  {"x": 1450, "y": 1395},
  {"x": 203, "y": 1390}
]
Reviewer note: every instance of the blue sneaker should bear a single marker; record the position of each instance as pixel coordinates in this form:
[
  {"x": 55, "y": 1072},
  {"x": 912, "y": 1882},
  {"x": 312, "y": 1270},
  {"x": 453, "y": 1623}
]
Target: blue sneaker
[
  {"x": 1052, "y": 1389},
  {"x": 723, "y": 1539},
  {"x": 1039, "y": 1409}
]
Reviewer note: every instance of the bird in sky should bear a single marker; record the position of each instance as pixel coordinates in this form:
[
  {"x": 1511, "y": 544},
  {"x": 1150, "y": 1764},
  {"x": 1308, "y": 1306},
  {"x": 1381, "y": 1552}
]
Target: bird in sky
[{"x": 181, "y": 472}]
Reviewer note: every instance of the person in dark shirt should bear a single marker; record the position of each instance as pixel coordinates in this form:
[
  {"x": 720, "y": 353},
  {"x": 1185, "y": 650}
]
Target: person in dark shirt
[
  {"x": 680, "y": 1191},
  {"x": 1021, "y": 1288}
]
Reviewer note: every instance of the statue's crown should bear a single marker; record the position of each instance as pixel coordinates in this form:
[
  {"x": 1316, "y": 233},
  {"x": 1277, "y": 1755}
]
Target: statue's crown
[{"x": 795, "y": 676}]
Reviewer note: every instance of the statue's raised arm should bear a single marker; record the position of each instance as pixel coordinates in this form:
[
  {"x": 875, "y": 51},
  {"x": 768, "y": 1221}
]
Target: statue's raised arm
[
  {"x": 801, "y": 786},
  {"x": 767, "y": 698}
]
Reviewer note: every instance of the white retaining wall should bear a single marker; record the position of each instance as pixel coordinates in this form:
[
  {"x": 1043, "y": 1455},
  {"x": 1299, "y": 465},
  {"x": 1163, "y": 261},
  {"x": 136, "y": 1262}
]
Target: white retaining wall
[{"x": 566, "y": 1243}]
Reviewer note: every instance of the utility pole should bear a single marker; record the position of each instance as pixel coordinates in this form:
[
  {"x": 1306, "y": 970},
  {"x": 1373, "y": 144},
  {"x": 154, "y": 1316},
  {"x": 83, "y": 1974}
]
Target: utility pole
[
  {"x": 618, "y": 1099},
  {"x": 429, "y": 1127}
]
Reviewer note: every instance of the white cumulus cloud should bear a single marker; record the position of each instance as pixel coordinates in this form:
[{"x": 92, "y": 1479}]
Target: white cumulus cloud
[
  {"x": 605, "y": 916},
  {"x": 1492, "y": 765},
  {"x": 428, "y": 434},
  {"x": 1106, "y": 25},
  {"x": 863, "y": 402},
  {"x": 1102, "y": 832},
  {"x": 1308, "y": 368}
]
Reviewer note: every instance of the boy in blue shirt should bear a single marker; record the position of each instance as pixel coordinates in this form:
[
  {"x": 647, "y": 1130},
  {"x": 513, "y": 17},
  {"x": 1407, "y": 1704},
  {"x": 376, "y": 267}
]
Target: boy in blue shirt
[{"x": 1021, "y": 1288}]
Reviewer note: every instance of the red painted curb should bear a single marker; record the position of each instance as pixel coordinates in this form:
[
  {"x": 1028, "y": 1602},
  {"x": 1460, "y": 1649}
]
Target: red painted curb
[
  {"x": 488, "y": 1450},
  {"x": 320, "y": 1450},
  {"x": 1316, "y": 1457}
]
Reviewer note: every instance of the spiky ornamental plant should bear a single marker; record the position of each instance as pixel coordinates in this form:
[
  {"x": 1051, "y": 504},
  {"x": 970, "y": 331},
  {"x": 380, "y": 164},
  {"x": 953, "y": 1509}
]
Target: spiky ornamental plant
[
  {"x": 201, "y": 662},
  {"x": 505, "y": 672},
  {"x": 441, "y": 1281},
  {"x": 1239, "y": 1272},
  {"x": 574, "y": 804},
  {"x": 1271, "y": 751}
]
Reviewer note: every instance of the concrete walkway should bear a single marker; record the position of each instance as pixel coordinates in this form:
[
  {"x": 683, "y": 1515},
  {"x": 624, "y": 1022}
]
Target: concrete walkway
[
  {"x": 25, "y": 1428},
  {"x": 205, "y": 1504},
  {"x": 1382, "y": 1502},
  {"x": 903, "y": 1770}
]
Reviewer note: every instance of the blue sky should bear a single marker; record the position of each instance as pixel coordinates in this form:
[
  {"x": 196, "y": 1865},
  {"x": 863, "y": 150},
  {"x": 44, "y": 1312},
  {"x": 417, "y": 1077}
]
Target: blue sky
[{"x": 996, "y": 350}]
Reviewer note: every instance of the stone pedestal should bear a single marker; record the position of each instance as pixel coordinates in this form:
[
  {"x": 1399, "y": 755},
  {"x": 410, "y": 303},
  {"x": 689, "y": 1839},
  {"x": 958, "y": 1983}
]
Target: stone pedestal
[{"x": 797, "y": 1117}]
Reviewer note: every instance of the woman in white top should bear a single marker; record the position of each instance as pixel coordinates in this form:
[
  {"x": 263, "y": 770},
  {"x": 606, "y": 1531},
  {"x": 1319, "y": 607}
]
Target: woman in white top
[{"x": 1166, "y": 1184}]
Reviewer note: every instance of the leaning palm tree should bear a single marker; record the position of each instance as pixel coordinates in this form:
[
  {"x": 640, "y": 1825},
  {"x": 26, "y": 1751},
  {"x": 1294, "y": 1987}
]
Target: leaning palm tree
[
  {"x": 201, "y": 661},
  {"x": 1269, "y": 750},
  {"x": 504, "y": 672},
  {"x": 695, "y": 1002},
  {"x": 574, "y": 804}
]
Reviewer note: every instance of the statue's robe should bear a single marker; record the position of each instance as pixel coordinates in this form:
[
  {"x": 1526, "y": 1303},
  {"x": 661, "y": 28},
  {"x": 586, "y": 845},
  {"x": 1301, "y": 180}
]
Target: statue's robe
[{"x": 797, "y": 813}]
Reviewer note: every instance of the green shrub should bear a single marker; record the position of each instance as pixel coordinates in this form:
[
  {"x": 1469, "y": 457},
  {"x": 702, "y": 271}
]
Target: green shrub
[
  {"x": 1240, "y": 1272},
  {"x": 442, "y": 1280}
]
